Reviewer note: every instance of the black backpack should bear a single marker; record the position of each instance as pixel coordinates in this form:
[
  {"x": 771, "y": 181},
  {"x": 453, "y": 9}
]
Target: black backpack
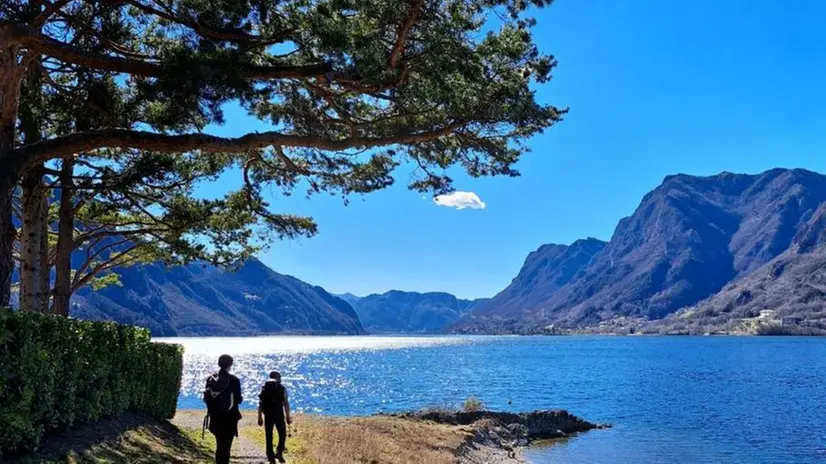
[
  {"x": 217, "y": 395},
  {"x": 272, "y": 397}
]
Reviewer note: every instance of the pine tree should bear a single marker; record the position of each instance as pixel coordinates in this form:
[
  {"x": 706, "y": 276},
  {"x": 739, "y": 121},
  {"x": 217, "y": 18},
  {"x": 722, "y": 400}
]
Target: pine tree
[{"x": 353, "y": 88}]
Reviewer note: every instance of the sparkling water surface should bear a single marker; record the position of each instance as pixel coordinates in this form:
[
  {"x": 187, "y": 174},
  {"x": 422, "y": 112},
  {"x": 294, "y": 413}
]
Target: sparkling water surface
[{"x": 670, "y": 399}]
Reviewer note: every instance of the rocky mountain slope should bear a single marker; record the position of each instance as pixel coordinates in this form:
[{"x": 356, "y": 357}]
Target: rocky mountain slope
[
  {"x": 204, "y": 300},
  {"x": 690, "y": 240},
  {"x": 545, "y": 271},
  {"x": 785, "y": 295},
  {"x": 399, "y": 312}
]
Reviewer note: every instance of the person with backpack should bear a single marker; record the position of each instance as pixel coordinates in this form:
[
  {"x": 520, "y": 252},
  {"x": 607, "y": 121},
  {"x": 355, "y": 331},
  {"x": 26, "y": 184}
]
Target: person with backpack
[
  {"x": 222, "y": 397},
  {"x": 275, "y": 407}
]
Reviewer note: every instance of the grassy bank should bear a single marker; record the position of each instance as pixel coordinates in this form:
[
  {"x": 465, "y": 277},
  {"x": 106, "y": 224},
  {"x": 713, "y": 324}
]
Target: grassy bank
[
  {"x": 313, "y": 439},
  {"x": 129, "y": 438},
  {"x": 323, "y": 439}
]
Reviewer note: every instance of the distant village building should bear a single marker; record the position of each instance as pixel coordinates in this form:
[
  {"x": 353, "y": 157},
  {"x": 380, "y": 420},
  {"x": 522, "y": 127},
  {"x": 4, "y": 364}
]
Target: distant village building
[{"x": 766, "y": 314}]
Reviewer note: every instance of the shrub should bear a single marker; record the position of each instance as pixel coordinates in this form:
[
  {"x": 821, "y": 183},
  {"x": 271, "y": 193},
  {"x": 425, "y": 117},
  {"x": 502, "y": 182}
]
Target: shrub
[
  {"x": 473, "y": 404},
  {"x": 56, "y": 372},
  {"x": 438, "y": 409}
]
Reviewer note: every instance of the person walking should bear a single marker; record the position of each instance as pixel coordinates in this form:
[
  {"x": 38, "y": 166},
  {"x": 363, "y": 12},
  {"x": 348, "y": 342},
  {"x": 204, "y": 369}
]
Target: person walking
[
  {"x": 275, "y": 407},
  {"x": 222, "y": 397}
]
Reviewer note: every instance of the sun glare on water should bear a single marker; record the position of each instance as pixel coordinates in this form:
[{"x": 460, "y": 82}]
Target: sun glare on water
[
  {"x": 216, "y": 346},
  {"x": 312, "y": 366}
]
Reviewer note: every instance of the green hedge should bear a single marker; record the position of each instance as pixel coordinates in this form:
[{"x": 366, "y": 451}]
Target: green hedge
[{"x": 56, "y": 372}]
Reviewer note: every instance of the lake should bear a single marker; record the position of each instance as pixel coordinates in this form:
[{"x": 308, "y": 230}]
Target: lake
[{"x": 670, "y": 399}]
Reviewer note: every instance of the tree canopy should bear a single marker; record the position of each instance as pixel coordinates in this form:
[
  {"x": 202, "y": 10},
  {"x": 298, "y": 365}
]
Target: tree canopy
[{"x": 352, "y": 89}]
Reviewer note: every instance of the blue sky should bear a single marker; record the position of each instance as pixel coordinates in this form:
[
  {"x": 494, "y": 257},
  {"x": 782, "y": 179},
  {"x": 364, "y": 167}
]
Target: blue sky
[{"x": 654, "y": 88}]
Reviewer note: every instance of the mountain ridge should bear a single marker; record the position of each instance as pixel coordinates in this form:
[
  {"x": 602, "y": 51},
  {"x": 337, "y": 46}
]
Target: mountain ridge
[
  {"x": 686, "y": 241},
  {"x": 398, "y": 311},
  {"x": 199, "y": 299}
]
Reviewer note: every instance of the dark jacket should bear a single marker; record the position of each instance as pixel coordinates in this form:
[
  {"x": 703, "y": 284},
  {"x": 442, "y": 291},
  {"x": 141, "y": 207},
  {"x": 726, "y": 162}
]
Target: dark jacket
[
  {"x": 271, "y": 398},
  {"x": 226, "y": 422}
]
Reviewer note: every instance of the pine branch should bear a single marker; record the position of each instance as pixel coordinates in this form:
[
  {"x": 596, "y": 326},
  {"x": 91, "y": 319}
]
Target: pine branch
[
  {"x": 84, "y": 142},
  {"x": 51, "y": 9},
  {"x": 404, "y": 31},
  {"x": 17, "y": 34},
  {"x": 228, "y": 35}
]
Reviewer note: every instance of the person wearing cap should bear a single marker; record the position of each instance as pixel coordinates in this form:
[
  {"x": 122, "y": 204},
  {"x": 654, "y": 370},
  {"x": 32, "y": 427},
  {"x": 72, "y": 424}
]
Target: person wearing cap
[{"x": 274, "y": 411}]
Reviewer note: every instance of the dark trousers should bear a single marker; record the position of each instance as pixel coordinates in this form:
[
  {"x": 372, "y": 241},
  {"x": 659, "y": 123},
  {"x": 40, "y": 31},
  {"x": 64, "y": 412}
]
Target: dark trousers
[
  {"x": 223, "y": 446},
  {"x": 276, "y": 420}
]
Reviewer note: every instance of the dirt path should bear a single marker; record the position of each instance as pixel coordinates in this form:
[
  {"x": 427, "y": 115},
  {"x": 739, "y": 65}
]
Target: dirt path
[{"x": 245, "y": 448}]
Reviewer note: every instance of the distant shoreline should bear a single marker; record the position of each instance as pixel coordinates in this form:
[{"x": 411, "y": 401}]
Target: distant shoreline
[{"x": 495, "y": 334}]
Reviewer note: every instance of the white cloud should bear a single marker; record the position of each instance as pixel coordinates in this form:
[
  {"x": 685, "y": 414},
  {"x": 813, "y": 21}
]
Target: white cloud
[{"x": 460, "y": 200}]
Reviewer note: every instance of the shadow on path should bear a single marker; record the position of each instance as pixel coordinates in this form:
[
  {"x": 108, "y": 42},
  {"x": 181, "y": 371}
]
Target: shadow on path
[{"x": 127, "y": 438}]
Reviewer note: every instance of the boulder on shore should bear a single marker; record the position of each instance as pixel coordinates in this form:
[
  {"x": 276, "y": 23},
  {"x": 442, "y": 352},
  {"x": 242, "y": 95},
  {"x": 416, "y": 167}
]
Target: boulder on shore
[
  {"x": 536, "y": 424},
  {"x": 498, "y": 436}
]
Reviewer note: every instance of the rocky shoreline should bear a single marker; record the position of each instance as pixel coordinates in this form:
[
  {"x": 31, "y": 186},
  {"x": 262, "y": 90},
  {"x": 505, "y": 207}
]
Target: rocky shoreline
[{"x": 499, "y": 436}]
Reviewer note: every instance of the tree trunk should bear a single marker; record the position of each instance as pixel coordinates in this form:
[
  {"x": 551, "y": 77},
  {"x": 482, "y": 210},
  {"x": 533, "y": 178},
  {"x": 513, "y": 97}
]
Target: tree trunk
[
  {"x": 33, "y": 293},
  {"x": 9, "y": 98},
  {"x": 7, "y": 232},
  {"x": 28, "y": 250},
  {"x": 44, "y": 285},
  {"x": 65, "y": 240},
  {"x": 34, "y": 233}
]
